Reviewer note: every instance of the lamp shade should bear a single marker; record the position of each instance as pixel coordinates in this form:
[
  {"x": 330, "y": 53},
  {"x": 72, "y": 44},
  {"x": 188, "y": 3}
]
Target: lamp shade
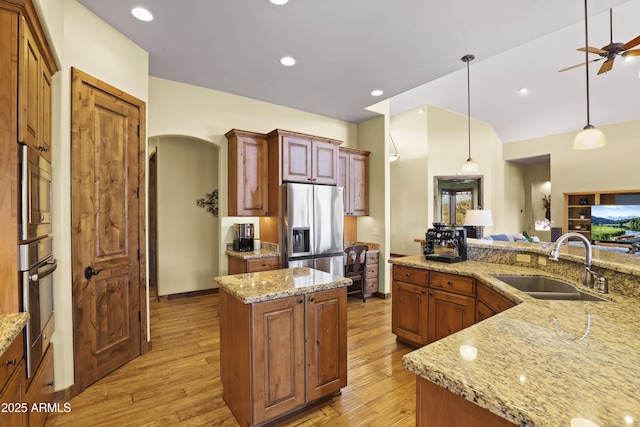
[
  {"x": 589, "y": 138},
  {"x": 478, "y": 218},
  {"x": 469, "y": 167}
]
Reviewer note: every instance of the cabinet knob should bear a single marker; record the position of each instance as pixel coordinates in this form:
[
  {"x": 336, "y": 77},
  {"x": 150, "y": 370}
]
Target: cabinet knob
[
  {"x": 300, "y": 300},
  {"x": 424, "y": 292},
  {"x": 50, "y": 384},
  {"x": 431, "y": 293},
  {"x": 408, "y": 274},
  {"x": 449, "y": 283},
  {"x": 11, "y": 362},
  {"x": 312, "y": 299}
]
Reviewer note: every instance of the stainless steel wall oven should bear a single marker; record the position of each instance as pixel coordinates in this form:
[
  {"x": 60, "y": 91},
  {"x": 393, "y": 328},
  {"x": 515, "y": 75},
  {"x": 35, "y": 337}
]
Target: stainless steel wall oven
[
  {"x": 35, "y": 197},
  {"x": 36, "y": 267}
]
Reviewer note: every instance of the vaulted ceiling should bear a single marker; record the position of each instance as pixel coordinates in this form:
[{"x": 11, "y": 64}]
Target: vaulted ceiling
[{"x": 410, "y": 49}]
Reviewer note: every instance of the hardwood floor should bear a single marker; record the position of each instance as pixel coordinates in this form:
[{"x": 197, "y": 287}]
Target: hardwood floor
[{"x": 178, "y": 381}]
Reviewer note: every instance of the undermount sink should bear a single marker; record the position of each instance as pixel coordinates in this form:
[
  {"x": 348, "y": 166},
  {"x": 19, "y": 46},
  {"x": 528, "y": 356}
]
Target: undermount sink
[{"x": 540, "y": 287}]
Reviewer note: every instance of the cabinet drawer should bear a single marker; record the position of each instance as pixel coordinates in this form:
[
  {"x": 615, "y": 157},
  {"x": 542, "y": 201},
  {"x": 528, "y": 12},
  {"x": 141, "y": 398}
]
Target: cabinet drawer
[
  {"x": 41, "y": 388},
  {"x": 452, "y": 282},
  {"x": 411, "y": 275},
  {"x": 10, "y": 359},
  {"x": 372, "y": 258},
  {"x": 371, "y": 271},
  {"x": 262, "y": 264},
  {"x": 492, "y": 299},
  {"x": 371, "y": 286}
]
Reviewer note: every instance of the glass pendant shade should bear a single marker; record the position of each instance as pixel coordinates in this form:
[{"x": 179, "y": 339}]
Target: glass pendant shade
[
  {"x": 588, "y": 139},
  {"x": 469, "y": 167},
  {"x": 393, "y": 157}
]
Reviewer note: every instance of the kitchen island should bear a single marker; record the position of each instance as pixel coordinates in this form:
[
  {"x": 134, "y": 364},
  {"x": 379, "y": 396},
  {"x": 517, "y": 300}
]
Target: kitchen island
[
  {"x": 283, "y": 341},
  {"x": 542, "y": 362}
]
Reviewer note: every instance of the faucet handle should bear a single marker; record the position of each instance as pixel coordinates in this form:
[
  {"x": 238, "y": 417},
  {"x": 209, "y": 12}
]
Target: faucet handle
[{"x": 602, "y": 285}]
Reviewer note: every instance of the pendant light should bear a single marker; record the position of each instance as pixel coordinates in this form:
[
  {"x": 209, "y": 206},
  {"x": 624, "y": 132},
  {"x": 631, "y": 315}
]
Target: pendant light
[
  {"x": 589, "y": 137},
  {"x": 393, "y": 156},
  {"x": 469, "y": 167}
]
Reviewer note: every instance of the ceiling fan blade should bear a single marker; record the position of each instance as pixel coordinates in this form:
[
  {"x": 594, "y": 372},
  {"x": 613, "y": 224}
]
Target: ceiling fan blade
[
  {"x": 577, "y": 65},
  {"x": 606, "y": 66},
  {"x": 595, "y": 50},
  {"x": 635, "y": 52},
  {"x": 632, "y": 43}
]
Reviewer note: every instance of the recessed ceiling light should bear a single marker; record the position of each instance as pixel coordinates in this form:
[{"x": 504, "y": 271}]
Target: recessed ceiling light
[
  {"x": 287, "y": 61},
  {"x": 279, "y": 2},
  {"x": 376, "y": 92},
  {"x": 142, "y": 14},
  {"x": 523, "y": 90}
]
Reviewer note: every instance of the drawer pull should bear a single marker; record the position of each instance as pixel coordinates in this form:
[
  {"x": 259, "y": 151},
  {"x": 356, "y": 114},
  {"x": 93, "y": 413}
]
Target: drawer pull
[
  {"x": 449, "y": 283},
  {"x": 11, "y": 362},
  {"x": 50, "y": 384},
  {"x": 408, "y": 274}
]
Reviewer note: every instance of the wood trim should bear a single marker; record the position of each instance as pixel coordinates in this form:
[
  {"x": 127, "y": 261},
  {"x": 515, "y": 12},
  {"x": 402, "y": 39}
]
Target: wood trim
[{"x": 183, "y": 295}]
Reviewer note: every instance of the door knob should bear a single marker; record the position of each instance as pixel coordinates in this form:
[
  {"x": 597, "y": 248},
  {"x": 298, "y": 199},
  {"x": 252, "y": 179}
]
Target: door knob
[{"x": 89, "y": 272}]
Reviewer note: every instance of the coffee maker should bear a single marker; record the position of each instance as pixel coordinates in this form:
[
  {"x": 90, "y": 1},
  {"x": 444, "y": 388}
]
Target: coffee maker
[
  {"x": 445, "y": 244},
  {"x": 243, "y": 237}
]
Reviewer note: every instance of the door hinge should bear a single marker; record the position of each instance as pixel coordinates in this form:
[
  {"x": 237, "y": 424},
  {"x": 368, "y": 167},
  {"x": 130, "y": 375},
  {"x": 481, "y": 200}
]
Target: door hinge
[
  {"x": 139, "y": 317},
  {"x": 138, "y": 254},
  {"x": 138, "y": 130},
  {"x": 138, "y": 192}
]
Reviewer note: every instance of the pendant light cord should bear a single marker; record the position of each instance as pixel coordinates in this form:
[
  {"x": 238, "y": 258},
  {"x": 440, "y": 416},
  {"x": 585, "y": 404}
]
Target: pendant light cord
[
  {"x": 586, "y": 58},
  {"x": 467, "y": 59}
]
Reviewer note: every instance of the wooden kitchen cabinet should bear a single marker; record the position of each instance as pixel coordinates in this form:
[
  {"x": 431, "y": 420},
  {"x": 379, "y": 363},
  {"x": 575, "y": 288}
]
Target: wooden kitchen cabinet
[
  {"x": 489, "y": 302},
  {"x": 12, "y": 385},
  {"x": 248, "y": 174},
  {"x": 34, "y": 94},
  {"x": 306, "y": 158},
  {"x": 371, "y": 274},
  {"x": 353, "y": 175},
  {"x": 280, "y": 355},
  {"x": 41, "y": 388},
  {"x": 429, "y": 305},
  {"x": 409, "y": 304}
]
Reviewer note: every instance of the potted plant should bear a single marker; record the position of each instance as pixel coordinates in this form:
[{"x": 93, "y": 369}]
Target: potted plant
[{"x": 582, "y": 213}]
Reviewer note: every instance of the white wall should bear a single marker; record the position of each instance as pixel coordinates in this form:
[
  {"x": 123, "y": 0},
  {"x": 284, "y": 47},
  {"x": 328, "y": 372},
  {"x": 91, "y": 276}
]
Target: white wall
[
  {"x": 187, "y": 171},
  {"x": 205, "y": 114},
  {"x": 613, "y": 167},
  {"x": 79, "y": 39}
]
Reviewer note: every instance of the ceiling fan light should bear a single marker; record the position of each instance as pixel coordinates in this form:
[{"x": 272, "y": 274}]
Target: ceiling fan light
[
  {"x": 469, "y": 167},
  {"x": 393, "y": 157},
  {"x": 589, "y": 138}
]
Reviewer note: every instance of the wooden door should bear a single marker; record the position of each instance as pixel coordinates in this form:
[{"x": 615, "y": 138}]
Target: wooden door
[
  {"x": 106, "y": 231},
  {"x": 326, "y": 324},
  {"x": 153, "y": 221},
  {"x": 449, "y": 313},
  {"x": 29, "y": 89},
  {"x": 324, "y": 163},
  {"x": 296, "y": 159},
  {"x": 278, "y": 334},
  {"x": 409, "y": 305}
]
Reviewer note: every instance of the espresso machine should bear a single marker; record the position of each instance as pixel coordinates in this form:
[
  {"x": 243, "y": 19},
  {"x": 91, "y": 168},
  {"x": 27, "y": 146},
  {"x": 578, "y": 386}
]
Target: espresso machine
[
  {"x": 243, "y": 237},
  {"x": 445, "y": 244}
]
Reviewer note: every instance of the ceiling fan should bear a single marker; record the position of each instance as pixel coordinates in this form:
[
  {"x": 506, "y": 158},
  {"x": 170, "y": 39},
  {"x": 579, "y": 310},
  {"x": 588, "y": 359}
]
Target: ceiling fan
[{"x": 610, "y": 51}]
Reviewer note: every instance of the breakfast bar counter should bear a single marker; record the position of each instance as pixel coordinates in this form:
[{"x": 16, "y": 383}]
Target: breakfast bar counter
[{"x": 542, "y": 362}]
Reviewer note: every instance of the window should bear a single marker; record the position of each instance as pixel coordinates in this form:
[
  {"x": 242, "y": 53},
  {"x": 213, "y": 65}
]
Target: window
[{"x": 455, "y": 204}]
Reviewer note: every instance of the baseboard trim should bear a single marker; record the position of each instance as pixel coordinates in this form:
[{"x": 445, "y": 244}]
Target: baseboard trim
[
  {"x": 172, "y": 297},
  {"x": 382, "y": 295}
]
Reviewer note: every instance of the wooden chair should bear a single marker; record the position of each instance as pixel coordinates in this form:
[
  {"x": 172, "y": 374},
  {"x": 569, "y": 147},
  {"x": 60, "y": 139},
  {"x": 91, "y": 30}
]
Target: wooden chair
[{"x": 354, "y": 268}]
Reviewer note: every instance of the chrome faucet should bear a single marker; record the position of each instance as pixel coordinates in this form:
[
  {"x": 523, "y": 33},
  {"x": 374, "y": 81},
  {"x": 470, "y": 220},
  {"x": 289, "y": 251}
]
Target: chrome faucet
[{"x": 588, "y": 278}]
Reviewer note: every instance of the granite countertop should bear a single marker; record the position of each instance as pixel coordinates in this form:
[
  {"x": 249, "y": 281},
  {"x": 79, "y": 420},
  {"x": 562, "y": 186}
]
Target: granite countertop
[
  {"x": 542, "y": 362},
  {"x": 267, "y": 250},
  {"x": 10, "y": 327},
  {"x": 268, "y": 285}
]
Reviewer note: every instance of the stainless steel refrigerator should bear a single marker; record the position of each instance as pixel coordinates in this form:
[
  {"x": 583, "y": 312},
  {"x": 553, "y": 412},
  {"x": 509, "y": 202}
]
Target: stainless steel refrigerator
[{"x": 313, "y": 227}]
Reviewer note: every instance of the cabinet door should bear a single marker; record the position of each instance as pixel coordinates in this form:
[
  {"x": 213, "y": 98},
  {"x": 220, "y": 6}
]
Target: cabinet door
[
  {"x": 29, "y": 90},
  {"x": 409, "y": 305},
  {"x": 449, "y": 313},
  {"x": 359, "y": 184},
  {"x": 278, "y": 357},
  {"x": 483, "y": 312},
  {"x": 326, "y": 324},
  {"x": 324, "y": 163},
  {"x": 296, "y": 159},
  {"x": 344, "y": 179},
  {"x": 41, "y": 388},
  {"x": 14, "y": 393},
  {"x": 45, "y": 113},
  {"x": 248, "y": 176}
]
